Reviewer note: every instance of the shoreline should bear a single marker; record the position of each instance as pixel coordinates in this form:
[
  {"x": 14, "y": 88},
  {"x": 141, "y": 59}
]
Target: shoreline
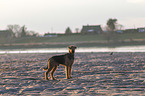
[
  {"x": 65, "y": 44},
  {"x": 122, "y": 49}
]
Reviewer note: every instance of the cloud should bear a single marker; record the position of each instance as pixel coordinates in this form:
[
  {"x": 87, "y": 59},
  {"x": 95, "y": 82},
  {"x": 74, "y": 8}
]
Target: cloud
[{"x": 136, "y": 1}]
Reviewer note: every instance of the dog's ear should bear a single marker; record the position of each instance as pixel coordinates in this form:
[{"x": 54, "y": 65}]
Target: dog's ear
[{"x": 69, "y": 47}]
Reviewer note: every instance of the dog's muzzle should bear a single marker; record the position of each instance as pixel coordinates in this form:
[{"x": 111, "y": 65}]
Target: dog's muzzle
[{"x": 73, "y": 51}]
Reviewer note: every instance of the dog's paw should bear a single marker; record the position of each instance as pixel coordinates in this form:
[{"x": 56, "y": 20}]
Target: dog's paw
[
  {"x": 46, "y": 79},
  {"x": 69, "y": 78},
  {"x": 53, "y": 79}
]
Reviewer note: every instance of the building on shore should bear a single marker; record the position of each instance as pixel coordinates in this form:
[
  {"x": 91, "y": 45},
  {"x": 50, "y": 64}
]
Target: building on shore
[
  {"x": 91, "y": 29},
  {"x": 5, "y": 36}
]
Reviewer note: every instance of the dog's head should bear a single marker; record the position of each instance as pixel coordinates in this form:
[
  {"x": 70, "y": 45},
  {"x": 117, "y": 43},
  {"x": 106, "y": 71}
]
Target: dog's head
[{"x": 72, "y": 48}]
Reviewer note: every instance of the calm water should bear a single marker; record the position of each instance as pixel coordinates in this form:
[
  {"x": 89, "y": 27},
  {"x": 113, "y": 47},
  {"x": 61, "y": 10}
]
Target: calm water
[{"x": 80, "y": 49}]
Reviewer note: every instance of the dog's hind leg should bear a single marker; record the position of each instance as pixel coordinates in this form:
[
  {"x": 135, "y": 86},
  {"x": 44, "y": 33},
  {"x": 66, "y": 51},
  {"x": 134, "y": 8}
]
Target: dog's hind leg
[
  {"x": 54, "y": 69},
  {"x": 47, "y": 72},
  {"x": 45, "y": 69}
]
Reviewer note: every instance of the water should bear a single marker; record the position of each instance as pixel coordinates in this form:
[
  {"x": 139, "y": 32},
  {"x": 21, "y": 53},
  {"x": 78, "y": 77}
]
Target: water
[{"x": 80, "y": 50}]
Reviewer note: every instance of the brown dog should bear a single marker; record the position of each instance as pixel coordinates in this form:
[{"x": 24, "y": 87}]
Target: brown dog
[{"x": 65, "y": 60}]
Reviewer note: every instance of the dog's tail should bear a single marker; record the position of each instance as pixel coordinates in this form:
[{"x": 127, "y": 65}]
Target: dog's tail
[{"x": 45, "y": 69}]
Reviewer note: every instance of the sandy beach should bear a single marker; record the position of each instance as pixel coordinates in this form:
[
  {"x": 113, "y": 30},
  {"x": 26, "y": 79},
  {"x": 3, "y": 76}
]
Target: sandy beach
[{"x": 93, "y": 74}]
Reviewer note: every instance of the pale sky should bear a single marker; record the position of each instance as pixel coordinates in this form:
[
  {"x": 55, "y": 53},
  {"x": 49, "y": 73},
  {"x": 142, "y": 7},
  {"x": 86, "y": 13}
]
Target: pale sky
[{"x": 44, "y": 16}]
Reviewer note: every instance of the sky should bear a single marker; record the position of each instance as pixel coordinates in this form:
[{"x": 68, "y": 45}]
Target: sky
[{"x": 55, "y": 16}]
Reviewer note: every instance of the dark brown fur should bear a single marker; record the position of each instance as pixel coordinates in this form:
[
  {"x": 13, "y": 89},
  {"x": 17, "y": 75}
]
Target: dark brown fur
[{"x": 65, "y": 60}]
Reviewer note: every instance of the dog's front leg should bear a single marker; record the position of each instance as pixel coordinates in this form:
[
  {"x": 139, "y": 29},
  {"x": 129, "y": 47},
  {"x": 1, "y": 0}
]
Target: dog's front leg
[
  {"x": 66, "y": 70},
  {"x": 70, "y": 70}
]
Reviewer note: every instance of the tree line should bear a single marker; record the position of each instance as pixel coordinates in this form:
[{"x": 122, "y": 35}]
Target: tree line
[
  {"x": 110, "y": 33},
  {"x": 111, "y": 25},
  {"x": 21, "y": 31}
]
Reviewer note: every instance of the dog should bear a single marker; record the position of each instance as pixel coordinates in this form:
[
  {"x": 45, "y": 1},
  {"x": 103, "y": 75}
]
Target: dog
[{"x": 66, "y": 60}]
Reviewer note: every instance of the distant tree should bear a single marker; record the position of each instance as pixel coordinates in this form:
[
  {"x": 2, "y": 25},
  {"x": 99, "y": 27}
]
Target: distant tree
[
  {"x": 32, "y": 34},
  {"x": 23, "y": 31},
  {"x": 110, "y": 34},
  {"x": 47, "y": 33},
  {"x": 15, "y": 29},
  {"x": 119, "y": 26},
  {"x": 111, "y": 23},
  {"x": 19, "y": 31},
  {"x": 68, "y": 31}
]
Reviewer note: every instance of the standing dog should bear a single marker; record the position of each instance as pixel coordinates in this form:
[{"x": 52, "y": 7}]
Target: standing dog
[{"x": 65, "y": 60}]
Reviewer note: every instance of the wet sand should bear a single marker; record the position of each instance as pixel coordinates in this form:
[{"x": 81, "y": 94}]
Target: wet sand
[{"x": 93, "y": 74}]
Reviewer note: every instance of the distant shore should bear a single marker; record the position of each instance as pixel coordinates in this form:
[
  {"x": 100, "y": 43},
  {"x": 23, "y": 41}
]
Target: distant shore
[
  {"x": 91, "y": 40},
  {"x": 64, "y": 44}
]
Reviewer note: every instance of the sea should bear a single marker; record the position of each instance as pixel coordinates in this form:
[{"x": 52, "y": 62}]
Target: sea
[{"x": 78, "y": 50}]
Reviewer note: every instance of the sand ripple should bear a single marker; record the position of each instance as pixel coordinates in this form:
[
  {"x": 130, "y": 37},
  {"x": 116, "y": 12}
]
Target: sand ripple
[{"x": 93, "y": 74}]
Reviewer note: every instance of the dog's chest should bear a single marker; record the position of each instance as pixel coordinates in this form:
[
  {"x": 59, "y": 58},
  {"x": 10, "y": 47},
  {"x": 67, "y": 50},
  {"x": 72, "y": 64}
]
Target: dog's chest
[{"x": 70, "y": 58}]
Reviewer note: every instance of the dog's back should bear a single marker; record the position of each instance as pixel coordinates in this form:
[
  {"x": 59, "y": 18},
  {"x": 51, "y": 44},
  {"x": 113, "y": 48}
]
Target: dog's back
[{"x": 59, "y": 59}]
